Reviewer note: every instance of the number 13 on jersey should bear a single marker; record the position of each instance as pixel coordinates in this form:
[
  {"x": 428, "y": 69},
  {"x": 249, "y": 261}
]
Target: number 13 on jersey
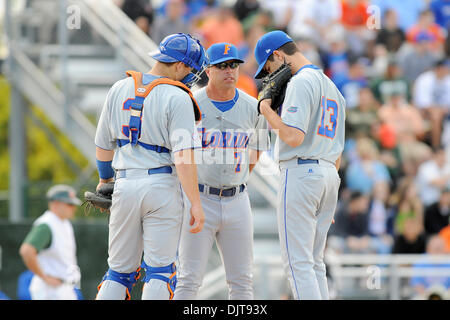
[{"x": 328, "y": 122}]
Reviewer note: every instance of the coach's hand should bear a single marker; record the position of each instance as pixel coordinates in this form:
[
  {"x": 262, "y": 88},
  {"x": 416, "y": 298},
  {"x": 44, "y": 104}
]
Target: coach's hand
[{"x": 197, "y": 218}]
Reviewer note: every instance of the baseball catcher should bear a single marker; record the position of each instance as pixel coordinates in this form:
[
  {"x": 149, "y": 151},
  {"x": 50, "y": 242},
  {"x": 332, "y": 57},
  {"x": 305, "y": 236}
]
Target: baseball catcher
[
  {"x": 274, "y": 86},
  {"x": 100, "y": 199}
]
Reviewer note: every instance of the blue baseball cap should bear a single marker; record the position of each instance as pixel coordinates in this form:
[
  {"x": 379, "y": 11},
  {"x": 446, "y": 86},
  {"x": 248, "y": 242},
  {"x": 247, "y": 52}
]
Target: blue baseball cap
[
  {"x": 265, "y": 46},
  {"x": 220, "y": 52}
]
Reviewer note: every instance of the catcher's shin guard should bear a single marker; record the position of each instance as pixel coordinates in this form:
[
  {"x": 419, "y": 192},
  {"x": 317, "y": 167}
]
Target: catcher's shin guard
[
  {"x": 155, "y": 273},
  {"x": 126, "y": 279}
]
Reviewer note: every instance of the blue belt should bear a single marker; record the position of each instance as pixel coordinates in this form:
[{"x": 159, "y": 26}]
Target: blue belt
[
  {"x": 306, "y": 161},
  {"x": 166, "y": 169},
  {"x": 222, "y": 192}
]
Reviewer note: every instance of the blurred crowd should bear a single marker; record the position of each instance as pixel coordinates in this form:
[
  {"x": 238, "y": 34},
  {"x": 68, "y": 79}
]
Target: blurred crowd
[{"x": 390, "y": 60}]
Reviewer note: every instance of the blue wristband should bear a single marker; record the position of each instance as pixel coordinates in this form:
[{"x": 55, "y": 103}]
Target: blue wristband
[{"x": 105, "y": 170}]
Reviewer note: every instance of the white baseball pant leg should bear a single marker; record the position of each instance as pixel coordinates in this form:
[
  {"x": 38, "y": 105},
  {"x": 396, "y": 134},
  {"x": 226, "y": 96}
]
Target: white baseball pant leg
[
  {"x": 146, "y": 217},
  {"x": 307, "y": 202},
  {"x": 229, "y": 222}
]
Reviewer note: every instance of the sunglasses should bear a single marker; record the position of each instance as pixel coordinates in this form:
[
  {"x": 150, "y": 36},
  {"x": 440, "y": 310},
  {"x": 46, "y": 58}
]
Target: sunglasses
[{"x": 224, "y": 65}]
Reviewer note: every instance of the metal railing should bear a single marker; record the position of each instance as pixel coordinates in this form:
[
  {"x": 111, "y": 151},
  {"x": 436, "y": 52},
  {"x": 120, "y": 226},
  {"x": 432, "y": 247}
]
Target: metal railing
[
  {"x": 119, "y": 31},
  {"x": 265, "y": 178},
  {"x": 389, "y": 269},
  {"x": 123, "y": 35},
  {"x": 213, "y": 284},
  {"x": 375, "y": 270},
  {"x": 37, "y": 87}
]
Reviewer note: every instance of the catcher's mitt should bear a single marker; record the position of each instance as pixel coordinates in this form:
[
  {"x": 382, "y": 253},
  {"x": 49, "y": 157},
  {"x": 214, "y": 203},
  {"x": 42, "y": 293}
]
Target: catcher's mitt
[
  {"x": 101, "y": 199},
  {"x": 274, "y": 86}
]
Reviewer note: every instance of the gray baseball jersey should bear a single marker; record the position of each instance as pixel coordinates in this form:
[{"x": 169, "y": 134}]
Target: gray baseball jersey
[
  {"x": 315, "y": 106},
  {"x": 226, "y": 138},
  {"x": 167, "y": 121}
]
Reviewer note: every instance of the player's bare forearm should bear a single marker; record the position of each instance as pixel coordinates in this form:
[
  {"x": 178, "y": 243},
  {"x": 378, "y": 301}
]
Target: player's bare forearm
[
  {"x": 291, "y": 136},
  {"x": 187, "y": 174},
  {"x": 254, "y": 157},
  {"x": 103, "y": 154},
  {"x": 338, "y": 162}
]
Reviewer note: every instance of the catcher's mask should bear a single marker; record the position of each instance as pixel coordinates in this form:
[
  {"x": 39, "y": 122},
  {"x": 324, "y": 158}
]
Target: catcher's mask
[{"x": 184, "y": 48}]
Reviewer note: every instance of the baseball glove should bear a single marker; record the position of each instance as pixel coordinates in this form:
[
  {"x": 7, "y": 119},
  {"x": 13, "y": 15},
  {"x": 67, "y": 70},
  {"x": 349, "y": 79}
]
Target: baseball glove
[
  {"x": 101, "y": 199},
  {"x": 274, "y": 86}
]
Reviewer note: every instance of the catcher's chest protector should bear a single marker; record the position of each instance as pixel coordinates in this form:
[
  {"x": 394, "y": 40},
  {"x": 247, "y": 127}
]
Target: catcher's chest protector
[{"x": 141, "y": 92}]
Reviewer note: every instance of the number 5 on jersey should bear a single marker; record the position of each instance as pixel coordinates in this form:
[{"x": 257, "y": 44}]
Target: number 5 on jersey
[{"x": 327, "y": 127}]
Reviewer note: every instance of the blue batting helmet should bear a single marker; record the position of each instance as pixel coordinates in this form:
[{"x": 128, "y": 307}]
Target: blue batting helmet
[{"x": 182, "y": 47}]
